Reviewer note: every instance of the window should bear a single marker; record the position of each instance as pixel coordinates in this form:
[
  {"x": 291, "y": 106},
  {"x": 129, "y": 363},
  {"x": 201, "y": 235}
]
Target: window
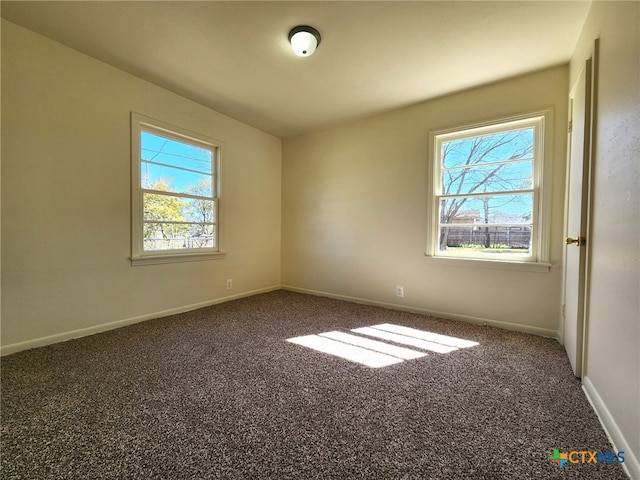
[
  {"x": 175, "y": 200},
  {"x": 487, "y": 192}
]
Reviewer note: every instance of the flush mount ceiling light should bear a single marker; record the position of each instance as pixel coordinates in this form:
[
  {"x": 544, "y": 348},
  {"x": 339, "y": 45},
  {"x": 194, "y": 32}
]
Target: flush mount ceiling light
[{"x": 304, "y": 40}]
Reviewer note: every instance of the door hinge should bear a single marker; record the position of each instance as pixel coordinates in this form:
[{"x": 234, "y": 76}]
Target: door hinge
[{"x": 570, "y": 126}]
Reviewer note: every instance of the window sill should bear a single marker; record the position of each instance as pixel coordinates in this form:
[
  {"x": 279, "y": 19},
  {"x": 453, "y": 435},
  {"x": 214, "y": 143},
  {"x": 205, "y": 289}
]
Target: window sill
[
  {"x": 536, "y": 267},
  {"x": 176, "y": 258}
]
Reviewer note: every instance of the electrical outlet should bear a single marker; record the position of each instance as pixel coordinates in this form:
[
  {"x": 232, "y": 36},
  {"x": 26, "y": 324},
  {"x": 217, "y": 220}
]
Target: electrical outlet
[
  {"x": 229, "y": 284},
  {"x": 399, "y": 291}
]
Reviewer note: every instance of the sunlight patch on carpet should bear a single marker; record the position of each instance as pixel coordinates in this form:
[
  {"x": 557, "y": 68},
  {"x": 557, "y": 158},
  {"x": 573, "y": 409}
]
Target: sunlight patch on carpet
[
  {"x": 367, "y": 357},
  {"x": 405, "y": 340},
  {"x": 386, "y": 349},
  {"x": 433, "y": 337},
  {"x": 400, "y": 352}
]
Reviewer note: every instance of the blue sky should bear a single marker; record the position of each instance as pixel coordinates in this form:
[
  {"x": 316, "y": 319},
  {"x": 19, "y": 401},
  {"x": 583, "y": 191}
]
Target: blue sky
[
  {"x": 169, "y": 153},
  {"x": 486, "y": 155}
]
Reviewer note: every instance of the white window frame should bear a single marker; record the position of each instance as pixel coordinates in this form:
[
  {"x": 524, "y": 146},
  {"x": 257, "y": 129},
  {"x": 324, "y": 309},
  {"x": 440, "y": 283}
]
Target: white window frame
[
  {"x": 141, "y": 123},
  {"x": 542, "y": 122}
]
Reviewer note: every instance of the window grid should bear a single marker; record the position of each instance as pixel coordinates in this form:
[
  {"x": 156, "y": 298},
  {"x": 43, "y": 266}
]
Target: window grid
[
  {"x": 175, "y": 199},
  {"x": 477, "y": 175}
]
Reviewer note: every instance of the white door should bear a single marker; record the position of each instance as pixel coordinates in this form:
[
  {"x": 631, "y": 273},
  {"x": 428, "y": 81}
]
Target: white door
[{"x": 577, "y": 206}]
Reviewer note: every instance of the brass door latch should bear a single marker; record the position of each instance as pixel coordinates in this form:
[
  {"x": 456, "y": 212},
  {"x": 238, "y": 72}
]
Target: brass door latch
[{"x": 578, "y": 242}]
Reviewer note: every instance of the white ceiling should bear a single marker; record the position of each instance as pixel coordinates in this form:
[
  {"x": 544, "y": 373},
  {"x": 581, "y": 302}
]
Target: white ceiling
[{"x": 374, "y": 56}]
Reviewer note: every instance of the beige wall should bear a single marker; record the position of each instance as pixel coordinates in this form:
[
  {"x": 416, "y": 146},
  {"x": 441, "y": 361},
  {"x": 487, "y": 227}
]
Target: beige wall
[
  {"x": 355, "y": 211},
  {"x": 612, "y": 378},
  {"x": 354, "y": 208},
  {"x": 66, "y": 198}
]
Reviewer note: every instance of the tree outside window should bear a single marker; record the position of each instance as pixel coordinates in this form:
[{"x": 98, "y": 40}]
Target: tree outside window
[
  {"x": 487, "y": 189},
  {"x": 175, "y": 185}
]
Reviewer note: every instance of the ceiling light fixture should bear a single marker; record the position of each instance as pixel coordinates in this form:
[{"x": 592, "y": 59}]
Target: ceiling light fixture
[{"x": 304, "y": 40}]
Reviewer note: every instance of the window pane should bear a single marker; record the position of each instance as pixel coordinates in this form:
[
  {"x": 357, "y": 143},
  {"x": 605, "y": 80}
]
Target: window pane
[
  {"x": 487, "y": 191},
  {"x": 200, "y": 211},
  {"x": 470, "y": 240},
  {"x": 174, "y": 204},
  {"x": 171, "y": 236},
  {"x": 169, "y": 179},
  {"x": 517, "y": 175},
  {"x": 155, "y": 148},
  {"x": 496, "y": 147},
  {"x": 169, "y": 208},
  {"x": 502, "y": 209}
]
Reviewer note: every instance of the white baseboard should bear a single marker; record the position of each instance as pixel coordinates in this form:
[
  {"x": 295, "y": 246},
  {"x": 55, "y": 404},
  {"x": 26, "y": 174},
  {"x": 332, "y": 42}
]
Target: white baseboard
[
  {"x": 543, "y": 332},
  {"x": 69, "y": 335},
  {"x": 83, "y": 332},
  {"x": 631, "y": 464}
]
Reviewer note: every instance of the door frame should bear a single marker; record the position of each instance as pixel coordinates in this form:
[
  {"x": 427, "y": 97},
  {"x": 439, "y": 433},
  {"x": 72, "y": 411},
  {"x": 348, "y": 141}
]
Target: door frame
[{"x": 589, "y": 145}]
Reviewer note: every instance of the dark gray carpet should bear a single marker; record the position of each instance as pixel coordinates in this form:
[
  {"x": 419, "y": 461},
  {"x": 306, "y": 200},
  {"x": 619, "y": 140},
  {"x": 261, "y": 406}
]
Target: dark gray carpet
[{"x": 219, "y": 393}]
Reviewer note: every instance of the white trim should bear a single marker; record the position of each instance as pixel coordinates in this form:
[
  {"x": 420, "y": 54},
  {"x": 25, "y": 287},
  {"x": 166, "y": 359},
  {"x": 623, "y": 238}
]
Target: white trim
[
  {"x": 176, "y": 258},
  {"x": 542, "y": 121},
  {"x": 139, "y": 256},
  {"x": 83, "y": 332},
  {"x": 473, "y": 262},
  {"x": 543, "y": 332},
  {"x": 631, "y": 464}
]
